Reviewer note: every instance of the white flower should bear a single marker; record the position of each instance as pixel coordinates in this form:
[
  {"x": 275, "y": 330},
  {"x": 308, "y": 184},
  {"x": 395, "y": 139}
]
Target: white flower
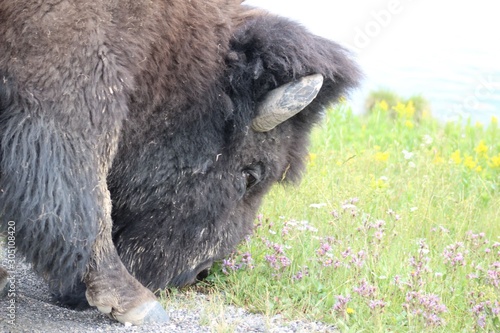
[
  {"x": 348, "y": 206},
  {"x": 408, "y": 155},
  {"x": 318, "y": 205},
  {"x": 412, "y": 165},
  {"x": 428, "y": 139}
]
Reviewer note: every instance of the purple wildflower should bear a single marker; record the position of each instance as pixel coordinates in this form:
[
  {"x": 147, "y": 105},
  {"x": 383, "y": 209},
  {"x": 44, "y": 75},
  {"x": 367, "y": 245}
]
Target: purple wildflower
[
  {"x": 271, "y": 259},
  {"x": 377, "y": 304},
  {"x": 279, "y": 262},
  {"x": 278, "y": 248},
  {"x": 495, "y": 309},
  {"x": 358, "y": 259},
  {"x": 365, "y": 289},
  {"x": 378, "y": 234},
  {"x": 482, "y": 310},
  {"x": 340, "y": 305},
  {"x": 300, "y": 274},
  {"x": 346, "y": 253},
  {"x": 327, "y": 262},
  {"x": 229, "y": 265},
  {"x": 324, "y": 249},
  {"x": 285, "y": 261},
  {"x": 247, "y": 260},
  {"x": 494, "y": 277},
  {"x": 425, "y": 306},
  {"x": 453, "y": 256}
]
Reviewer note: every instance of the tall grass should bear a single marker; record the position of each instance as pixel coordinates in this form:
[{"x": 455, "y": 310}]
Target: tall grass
[{"x": 394, "y": 228}]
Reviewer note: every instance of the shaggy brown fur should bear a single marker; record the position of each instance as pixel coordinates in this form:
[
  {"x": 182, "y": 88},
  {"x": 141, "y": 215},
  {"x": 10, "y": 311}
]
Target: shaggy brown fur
[{"x": 67, "y": 71}]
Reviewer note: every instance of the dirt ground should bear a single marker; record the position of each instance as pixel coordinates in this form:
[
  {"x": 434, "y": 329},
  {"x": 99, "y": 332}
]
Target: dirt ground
[{"x": 34, "y": 311}]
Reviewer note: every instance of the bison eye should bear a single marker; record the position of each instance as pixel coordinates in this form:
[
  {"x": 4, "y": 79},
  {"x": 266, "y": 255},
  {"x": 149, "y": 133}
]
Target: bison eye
[
  {"x": 251, "y": 178},
  {"x": 252, "y": 175}
]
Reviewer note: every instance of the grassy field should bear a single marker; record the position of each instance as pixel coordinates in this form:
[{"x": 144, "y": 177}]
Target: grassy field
[{"x": 394, "y": 228}]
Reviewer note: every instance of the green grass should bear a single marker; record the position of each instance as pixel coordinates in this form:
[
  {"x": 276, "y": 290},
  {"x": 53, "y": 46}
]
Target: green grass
[{"x": 394, "y": 228}]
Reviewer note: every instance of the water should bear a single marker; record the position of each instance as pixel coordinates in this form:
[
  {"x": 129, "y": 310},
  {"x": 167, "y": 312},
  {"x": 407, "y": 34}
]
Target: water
[
  {"x": 447, "y": 51},
  {"x": 459, "y": 84}
]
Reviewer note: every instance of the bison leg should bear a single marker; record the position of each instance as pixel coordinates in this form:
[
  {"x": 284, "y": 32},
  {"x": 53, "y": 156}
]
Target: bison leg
[
  {"x": 110, "y": 287},
  {"x": 113, "y": 290},
  {"x": 53, "y": 189}
]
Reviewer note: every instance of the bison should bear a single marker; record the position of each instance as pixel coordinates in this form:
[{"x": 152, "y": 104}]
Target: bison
[{"x": 137, "y": 138}]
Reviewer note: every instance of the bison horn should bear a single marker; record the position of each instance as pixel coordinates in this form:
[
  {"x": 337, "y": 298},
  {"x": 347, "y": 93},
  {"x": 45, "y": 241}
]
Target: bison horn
[{"x": 286, "y": 101}]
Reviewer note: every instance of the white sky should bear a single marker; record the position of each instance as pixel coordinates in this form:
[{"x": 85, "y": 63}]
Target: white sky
[
  {"x": 414, "y": 26},
  {"x": 444, "y": 49}
]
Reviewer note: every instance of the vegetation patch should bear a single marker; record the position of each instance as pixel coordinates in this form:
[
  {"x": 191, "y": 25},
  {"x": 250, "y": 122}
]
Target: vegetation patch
[{"x": 394, "y": 228}]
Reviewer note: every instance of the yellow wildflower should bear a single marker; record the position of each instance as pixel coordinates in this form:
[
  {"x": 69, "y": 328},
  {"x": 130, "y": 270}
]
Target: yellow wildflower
[
  {"x": 469, "y": 162},
  {"x": 382, "y": 105},
  {"x": 455, "y": 157},
  {"x": 438, "y": 159},
  {"x": 312, "y": 159},
  {"x": 409, "y": 124},
  {"x": 410, "y": 109},
  {"x": 350, "y": 310},
  {"x": 400, "y": 109},
  {"x": 481, "y": 148},
  {"x": 494, "y": 120},
  {"x": 379, "y": 183},
  {"x": 404, "y": 111},
  {"x": 382, "y": 156},
  {"x": 495, "y": 161}
]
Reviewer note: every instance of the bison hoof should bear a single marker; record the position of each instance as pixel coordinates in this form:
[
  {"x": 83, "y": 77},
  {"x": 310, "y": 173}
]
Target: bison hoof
[
  {"x": 123, "y": 298},
  {"x": 147, "y": 313}
]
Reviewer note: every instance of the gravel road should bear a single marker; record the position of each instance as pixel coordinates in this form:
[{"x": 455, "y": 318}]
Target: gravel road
[{"x": 35, "y": 312}]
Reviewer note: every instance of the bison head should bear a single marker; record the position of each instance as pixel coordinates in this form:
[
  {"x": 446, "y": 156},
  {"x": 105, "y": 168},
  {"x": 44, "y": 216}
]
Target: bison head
[{"x": 186, "y": 184}]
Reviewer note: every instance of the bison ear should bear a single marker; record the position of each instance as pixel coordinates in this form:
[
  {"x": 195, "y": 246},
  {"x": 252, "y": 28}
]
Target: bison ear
[{"x": 286, "y": 101}]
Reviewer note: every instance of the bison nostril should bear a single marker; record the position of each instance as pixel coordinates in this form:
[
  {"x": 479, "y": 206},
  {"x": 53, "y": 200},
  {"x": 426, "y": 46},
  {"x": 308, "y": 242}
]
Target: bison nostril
[
  {"x": 202, "y": 275},
  {"x": 192, "y": 276},
  {"x": 202, "y": 270}
]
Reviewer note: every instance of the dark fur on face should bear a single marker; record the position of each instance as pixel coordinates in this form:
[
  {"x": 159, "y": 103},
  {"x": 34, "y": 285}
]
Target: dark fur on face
[{"x": 186, "y": 193}]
